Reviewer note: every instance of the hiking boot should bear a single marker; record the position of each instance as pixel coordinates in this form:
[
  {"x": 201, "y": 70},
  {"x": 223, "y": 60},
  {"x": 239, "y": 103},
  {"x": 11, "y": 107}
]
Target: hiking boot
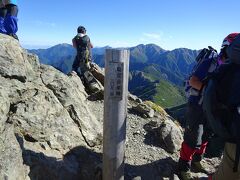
[
  {"x": 186, "y": 175},
  {"x": 198, "y": 167}
]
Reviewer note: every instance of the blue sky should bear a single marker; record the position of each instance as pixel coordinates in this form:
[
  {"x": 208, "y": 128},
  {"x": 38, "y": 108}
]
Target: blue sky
[{"x": 170, "y": 24}]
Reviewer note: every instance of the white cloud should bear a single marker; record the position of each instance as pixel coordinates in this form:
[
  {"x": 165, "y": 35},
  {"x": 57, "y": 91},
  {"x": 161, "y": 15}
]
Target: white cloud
[
  {"x": 159, "y": 38},
  {"x": 152, "y": 36},
  {"x": 42, "y": 23},
  {"x": 156, "y": 38},
  {"x": 115, "y": 44}
]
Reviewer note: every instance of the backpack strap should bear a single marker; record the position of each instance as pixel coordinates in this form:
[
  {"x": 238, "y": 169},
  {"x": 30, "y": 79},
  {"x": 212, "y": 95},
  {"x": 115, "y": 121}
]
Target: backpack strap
[
  {"x": 82, "y": 42},
  {"x": 237, "y": 140},
  {"x": 237, "y": 156}
]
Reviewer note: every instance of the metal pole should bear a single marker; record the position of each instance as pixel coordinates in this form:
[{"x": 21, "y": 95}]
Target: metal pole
[{"x": 115, "y": 113}]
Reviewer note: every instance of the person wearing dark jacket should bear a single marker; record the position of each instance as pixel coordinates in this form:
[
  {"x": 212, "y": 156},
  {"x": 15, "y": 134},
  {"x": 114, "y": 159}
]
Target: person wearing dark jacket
[
  {"x": 197, "y": 131},
  {"x": 225, "y": 94},
  {"x": 82, "y": 64},
  {"x": 83, "y": 46}
]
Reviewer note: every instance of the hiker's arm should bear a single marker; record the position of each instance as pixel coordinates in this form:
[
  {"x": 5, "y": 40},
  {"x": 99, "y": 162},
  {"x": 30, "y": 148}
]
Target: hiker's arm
[
  {"x": 90, "y": 44},
  {"x": 195, "y": 82},
  {"x": 74, "y": 43}
]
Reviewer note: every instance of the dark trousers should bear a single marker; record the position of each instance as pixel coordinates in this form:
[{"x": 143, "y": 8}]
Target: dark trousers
[
  {"x": 196, "y": 137},
  {"x": 196, "y": 130},
  {"x": 79, "y": 66}
]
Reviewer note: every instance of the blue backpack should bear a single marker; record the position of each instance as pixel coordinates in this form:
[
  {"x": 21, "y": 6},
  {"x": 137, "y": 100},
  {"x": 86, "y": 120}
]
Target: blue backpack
[
  {"x": 204, "y": 54},
  {"x": 221, "y": 100}
]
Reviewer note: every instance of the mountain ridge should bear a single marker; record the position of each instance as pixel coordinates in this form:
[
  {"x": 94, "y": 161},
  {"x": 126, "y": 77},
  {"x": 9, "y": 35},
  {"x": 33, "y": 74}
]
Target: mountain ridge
[
  {"x": 172, "y": 67},
  {"x": 180, "y": 60}
]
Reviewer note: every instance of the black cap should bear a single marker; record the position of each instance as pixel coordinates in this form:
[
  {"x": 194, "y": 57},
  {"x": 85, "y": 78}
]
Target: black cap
[{"x": 81, "y": 29}]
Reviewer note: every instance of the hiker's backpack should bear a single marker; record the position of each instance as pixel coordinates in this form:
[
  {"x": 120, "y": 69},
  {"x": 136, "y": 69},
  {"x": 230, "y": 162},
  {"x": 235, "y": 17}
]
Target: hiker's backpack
[
  {"x": 82, "y": 43},
  {"x": 221, "y": 100},
  {"x": 204, "y": 54}
]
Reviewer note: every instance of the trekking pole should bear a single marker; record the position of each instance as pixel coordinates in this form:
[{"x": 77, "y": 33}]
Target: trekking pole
[{"x": 115, "y": 113}]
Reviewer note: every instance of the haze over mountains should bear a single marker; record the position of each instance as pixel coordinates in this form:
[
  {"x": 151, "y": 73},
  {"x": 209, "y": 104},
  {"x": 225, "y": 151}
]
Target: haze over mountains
[{"x": 155, "y": 74}]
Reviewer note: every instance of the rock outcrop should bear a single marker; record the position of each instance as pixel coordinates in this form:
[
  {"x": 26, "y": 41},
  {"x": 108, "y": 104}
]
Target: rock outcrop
[{"x": 43, "y": 114}]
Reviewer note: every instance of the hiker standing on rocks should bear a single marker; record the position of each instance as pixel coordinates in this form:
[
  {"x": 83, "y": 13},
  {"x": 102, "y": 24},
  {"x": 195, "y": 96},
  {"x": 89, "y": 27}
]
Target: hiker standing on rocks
[
  {"x": 83, "y": 46},
  {"x": 83, "y": 60},
  {"x": 8, "y": 17},
  {"x": 197, "y": 132},
  {"x": 221, "y": 104}
]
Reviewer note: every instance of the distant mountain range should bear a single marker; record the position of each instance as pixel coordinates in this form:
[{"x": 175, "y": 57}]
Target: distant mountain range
[{"x": 155, "y": 74}]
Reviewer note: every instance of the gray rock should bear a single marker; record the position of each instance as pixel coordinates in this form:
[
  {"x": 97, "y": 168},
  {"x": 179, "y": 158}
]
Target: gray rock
[
  {"x": 47, "y": 111},
  {"x": 134, "y": 98},
  {"x": 171, "y": 135},
  {"x": 70, "y": 92},
  {"x": 13, "y": 60},
  {"x": 11, "y": 162},
  {"x": 144, "y": 110},
  {"x": 4, "y": 109},
  {"x": 97, "y": 72}
]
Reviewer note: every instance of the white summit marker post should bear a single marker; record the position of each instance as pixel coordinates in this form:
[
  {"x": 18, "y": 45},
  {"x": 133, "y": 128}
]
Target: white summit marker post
[{"x": 115, "y": 113}]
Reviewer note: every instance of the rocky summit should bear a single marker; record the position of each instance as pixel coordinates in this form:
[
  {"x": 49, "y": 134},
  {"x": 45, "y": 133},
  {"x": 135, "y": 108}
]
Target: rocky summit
[{"x": 50, "y": 130}]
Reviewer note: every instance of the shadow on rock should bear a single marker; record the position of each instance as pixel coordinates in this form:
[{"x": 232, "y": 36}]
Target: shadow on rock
[
  {"x": 143, "y": 110},
  {"x": 97, "y": 96},
  {"x": 151, "y": 137},
  {"x": 78, "y": 163},
  {"x": 137, "y": 113},
  {"x": 85, "y": 164},
  {"x": 90, "y": 162},
  {"x": 158, "y": 170}
]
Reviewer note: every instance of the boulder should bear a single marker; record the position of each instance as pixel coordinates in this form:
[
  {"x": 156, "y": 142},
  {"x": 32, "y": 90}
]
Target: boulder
[
  {"x": 166, "y": 134},
  {"x": 13, "y": 60},
  {"x": 144, "y": 110},
  {"x": 171, "y": 135},
  {"x": 43, "y": 115},
  {"x": 97, "y": 72},
  {"x": 134, "y": 98}
]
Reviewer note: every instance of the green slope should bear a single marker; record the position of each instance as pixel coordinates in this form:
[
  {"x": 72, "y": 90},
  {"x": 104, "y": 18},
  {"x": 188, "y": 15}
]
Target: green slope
[
  {"x": 152, "y": 86},
  {"x": 168, "y": 95}
]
